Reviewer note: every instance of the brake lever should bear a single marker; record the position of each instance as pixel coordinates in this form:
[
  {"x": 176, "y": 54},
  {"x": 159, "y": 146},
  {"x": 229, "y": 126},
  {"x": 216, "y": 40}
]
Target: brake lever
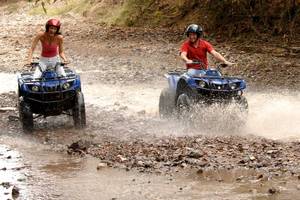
[{"x": 223, "y": 65}]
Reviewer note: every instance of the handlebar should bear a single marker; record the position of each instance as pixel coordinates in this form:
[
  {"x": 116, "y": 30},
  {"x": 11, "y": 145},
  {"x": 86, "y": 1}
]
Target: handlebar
[
  {"x": 198, "y": 62},
  {"x": 34, "y": 64}
]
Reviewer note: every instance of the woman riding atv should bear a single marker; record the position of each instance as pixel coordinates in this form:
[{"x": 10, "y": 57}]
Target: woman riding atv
[
  {"x": 195, "y": 48},
  {"x": 52, "y": 49}
]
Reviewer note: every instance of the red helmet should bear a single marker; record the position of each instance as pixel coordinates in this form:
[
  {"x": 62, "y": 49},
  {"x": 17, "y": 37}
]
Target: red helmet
[{"x": 53, "y": 22}]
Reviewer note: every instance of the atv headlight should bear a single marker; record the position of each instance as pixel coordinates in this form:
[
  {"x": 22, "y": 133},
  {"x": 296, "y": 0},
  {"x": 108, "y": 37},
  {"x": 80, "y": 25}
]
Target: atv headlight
[
  {"x": 233, "y": 86},
  {"x": 66, "y": 86},
  {"x": 35, "y": 88},
  {"x": 202, "y": 84}
]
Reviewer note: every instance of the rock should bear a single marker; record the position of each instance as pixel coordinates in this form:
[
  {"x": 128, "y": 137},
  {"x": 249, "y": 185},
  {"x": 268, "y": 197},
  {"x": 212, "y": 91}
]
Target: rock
[
  {"x": 271, "y": 151},
  {"x": 200, "y": 171},
  {"x": 260, "y": 176},
  {"x": 272, "y": 190},
  {"x": 242, "y": 161},
  {"x": 295, "y": 49},
  {"x": 15, "y": 192},
  {"x": 252, "y": 158},
  {"x": 140, "y": 163},
  {"x": 3, "y": 52},
  {"x": 101, "y": 166},
  {"x": 183, "y": 165},
  {"x": 5, "y": 185},
  {"x": 78, "y": 147},
  {"x": 148, "y": 164},
  {"x": 121, "y": 158},
  {"x": 6, "y": 109},
  {"x": 117, "y": 104},
  {"x": 21, "y": 179},
  {"x": 142, "y": 112},
  {"x": 13, "y": 118},
  {"x": 298, "y": 187},
  {"x": 239, "y": 178},
  {"x": 203, "y": 164},
  {"x": 192, "y": 153},
  {"x": 8, "y": 157}
]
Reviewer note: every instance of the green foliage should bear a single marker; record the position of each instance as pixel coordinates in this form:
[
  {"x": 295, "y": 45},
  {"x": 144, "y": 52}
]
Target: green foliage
[
  {"x": 48, "y": 7},
  {"x": 230, "y": 17}
]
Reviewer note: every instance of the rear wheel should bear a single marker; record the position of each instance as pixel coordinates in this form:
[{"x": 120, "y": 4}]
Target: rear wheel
[
  {"x": 166, "y": 103},
  {"x": 26, "y": 116},
  {"x": 78, "y": 111}
]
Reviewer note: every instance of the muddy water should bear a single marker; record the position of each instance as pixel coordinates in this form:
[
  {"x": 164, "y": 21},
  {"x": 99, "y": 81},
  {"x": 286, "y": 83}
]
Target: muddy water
[
  {"x": 135, "y": 98},
  {"x": 42, "y": 174}
]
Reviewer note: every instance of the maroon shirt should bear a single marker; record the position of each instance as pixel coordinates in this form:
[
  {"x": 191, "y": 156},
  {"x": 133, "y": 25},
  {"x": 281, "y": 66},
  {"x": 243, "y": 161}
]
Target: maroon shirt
[{"x": 197, "y": 53}]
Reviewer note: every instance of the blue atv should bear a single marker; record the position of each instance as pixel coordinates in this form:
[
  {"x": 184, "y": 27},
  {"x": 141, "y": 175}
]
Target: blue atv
[
  {"x": 50, "y": 95},
  {"x": 206, "y": 88}
]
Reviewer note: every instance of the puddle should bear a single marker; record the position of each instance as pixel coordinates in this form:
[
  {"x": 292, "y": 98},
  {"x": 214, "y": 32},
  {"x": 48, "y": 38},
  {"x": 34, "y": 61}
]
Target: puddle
[{"x": 51, "y": 175}]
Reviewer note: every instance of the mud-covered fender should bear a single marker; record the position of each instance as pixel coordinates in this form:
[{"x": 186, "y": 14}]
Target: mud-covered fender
[
  {"x": 77, "y": 83},
  {"x": 172, "y": 81},
  {"x": 186, "y": 80}
]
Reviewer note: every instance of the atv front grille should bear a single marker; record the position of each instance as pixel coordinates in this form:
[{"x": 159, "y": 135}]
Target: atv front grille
[
  {"x": 51, "y": 96},
  {"x": 52, "y": 88},
  {"x": 219, "y": 86}
]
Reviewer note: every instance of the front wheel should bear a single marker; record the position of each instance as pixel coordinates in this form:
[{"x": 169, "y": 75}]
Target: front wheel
[
  {"x": 242, "y": 104},
  {"x": 78, "y": 111},
  {"x": 26, "y": 116},
  {"x": 183, "y": 105},
  {"x": 166, "y": 103}
]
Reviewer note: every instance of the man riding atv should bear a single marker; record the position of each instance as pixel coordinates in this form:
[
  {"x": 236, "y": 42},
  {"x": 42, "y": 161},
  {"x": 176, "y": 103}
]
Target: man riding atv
[
  {"x": 200, "y": 85},
  {"x": 196, "y": 48},
  {"x": 52, "y": 48}
]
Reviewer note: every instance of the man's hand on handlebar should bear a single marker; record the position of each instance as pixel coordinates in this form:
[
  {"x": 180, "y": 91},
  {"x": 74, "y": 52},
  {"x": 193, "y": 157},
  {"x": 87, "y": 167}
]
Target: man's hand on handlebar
[
  {"x": 189, "y": 61},
  {"x": 228, "y": 64}
]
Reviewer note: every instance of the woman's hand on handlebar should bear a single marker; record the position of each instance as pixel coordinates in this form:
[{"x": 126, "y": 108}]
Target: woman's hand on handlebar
[
  {"x": 27, "y": 65},
  {"x": 65, "y": 62}
]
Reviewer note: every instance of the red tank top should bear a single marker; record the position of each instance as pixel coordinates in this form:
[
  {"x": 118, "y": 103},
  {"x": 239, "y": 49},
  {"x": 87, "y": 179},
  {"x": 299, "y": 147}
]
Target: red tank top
[{"x": 49, "y": 50}]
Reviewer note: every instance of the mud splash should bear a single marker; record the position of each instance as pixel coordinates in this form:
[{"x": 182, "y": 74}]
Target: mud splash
[
  {"x": 274, "y": 115},
  {"x": 9, "y": 82}
]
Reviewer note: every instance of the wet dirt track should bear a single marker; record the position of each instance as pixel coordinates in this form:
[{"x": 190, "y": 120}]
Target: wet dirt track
[{"x": 121, "y": 83}]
